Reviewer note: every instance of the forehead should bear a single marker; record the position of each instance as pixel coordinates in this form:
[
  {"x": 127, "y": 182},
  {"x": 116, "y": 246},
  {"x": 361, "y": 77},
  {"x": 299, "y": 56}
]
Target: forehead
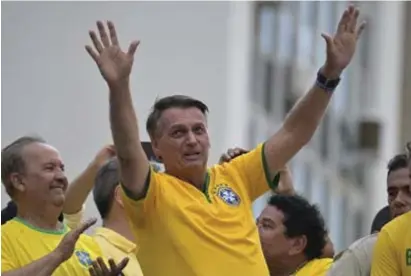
[
  {"x": 39, "y": 152},
  {"x": 400, "y": 177},
  {"x": 272, "y": 213},
  {"x": 182, "y": 116}
]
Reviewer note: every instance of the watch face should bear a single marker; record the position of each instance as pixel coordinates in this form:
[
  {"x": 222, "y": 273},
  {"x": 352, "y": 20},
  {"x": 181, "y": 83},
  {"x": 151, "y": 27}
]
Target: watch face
[{"x": 157, "y": 165}]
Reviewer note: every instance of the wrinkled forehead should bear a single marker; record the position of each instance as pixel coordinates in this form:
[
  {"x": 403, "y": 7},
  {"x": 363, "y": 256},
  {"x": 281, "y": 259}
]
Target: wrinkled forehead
[
  {"x": 399, "y": 178},
  {"x": 182, "y": 116},
  {"x": 40, "y": 153}
]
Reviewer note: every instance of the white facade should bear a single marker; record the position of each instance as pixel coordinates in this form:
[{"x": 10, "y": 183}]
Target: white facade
[{"x": 219, "y": 53}]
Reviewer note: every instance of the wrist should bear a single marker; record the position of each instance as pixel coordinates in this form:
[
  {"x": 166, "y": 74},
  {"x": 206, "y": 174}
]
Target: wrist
[
  {"x": 330, "y": 72},
  {"x": 119, "y": 85},
  {"x": 56, "y": 257}
]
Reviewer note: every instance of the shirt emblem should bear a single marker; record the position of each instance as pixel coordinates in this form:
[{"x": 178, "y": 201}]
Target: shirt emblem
[
  {"x": 227, "y": 194},
  {"x": 83, "y": 257}
]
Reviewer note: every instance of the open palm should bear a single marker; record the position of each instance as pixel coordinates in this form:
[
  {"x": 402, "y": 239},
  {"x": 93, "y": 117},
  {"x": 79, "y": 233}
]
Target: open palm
[
  {"x": 341, "y": 47},
  {"x": 114, "y": 64}
]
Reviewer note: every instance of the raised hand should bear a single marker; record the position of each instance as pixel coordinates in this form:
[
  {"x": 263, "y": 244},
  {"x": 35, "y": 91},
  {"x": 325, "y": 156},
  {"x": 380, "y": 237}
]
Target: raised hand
[
  {"x": 114, "y": 64},
  {"x": 231, "y": 154},
  {"x": 105, "y": 154},
  {"x": 341, "y": 47},
  {"x": 66, "y": 246},
  {"x": 99, "y": 268}
]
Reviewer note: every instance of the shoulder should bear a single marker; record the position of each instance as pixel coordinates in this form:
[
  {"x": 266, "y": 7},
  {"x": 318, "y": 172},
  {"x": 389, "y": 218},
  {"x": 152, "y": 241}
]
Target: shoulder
[
  {"x": 366, "y": 243},
  {"x": 397, "y": 227}
]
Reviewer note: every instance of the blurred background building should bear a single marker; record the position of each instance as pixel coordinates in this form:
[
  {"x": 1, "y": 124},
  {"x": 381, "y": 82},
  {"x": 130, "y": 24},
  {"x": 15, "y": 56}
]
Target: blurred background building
[{"x": 249, "y": 61}]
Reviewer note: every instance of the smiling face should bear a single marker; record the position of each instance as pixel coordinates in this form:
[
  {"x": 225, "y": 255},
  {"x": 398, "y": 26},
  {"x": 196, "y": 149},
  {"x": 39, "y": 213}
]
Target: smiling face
[
  {"x": 43, "y": 180},
  {"x": 183, "y": 141}
]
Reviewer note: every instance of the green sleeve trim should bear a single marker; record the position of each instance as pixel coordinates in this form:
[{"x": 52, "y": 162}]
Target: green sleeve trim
[
  {"x": 130, "y": 194},
  {"x": 273, "y": 184}
]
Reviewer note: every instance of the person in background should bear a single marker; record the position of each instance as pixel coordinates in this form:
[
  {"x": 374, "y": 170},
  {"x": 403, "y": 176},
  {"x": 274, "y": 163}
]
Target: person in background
[
  {"x": 392, "y": 251},
  {"x": 381, "y": 218},
  {"x": 114, "y": 236},
  {"x": 285, "y": 187},
  {"x": 292, "y": 234},
  {"x": 356, "y": 260},
  {"x": 189, "y": 200},
  {"x": 33, "y": 243}
]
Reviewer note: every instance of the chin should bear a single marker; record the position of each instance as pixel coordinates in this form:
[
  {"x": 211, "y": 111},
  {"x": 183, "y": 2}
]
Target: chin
[{"x": 59, "y": 200}]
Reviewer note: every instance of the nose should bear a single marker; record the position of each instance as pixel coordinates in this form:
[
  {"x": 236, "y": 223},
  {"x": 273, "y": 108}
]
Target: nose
[
  {"x": 60, "y": 176},
  {"x": 191, "y": 138},
  {"x": 399, "y": 200}
]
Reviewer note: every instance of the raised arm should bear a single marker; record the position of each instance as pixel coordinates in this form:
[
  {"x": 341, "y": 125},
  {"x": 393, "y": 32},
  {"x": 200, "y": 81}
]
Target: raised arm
[
  {"x": 305, "y": 116},
  {"x": 115, "y": 67},
  {"x": 80, "y": 188}
]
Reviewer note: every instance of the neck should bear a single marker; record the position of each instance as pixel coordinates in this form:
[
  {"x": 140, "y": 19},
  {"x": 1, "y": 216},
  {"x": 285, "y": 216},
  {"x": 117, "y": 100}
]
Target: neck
[
  {"x": 285, "y": 269},
  {"x": 195, "y": 177},
  {"x": 44, "y": 218},
  {"x": 119, "y": 225}
]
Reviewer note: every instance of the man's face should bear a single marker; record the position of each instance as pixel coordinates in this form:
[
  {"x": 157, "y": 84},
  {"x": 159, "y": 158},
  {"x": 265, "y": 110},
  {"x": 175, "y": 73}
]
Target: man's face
[
  {"x": 43, "y": 180},
  {"x": 399, "y": 194},
  {"x": 183, "y": 141},
  {"x": 276, "y": 245}
]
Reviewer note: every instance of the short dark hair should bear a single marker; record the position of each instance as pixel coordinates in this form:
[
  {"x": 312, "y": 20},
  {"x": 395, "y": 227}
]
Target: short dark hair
[
  {"x": 165, "y": 103},
  {"x": 302, "y": 218},
  {"x": 381, "y": 218},
  {"x": 106, "y": 181},
  {"x": 400, "y": 161},
  {"x": 12, "y": 160}
]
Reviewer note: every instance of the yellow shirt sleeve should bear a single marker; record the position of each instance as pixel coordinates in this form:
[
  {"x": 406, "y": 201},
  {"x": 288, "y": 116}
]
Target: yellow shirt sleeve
[
  {"x": 384, "y": 260},
  {"x": 74, "y": 220},
  {"x": 252, "y": 169},
  {"x": 8, "y": 261}
]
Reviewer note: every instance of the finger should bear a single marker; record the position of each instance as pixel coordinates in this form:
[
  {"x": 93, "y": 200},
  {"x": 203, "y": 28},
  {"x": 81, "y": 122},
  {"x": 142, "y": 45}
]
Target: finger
[
  {"x": 132, "y": 48},
  {"x": 84, "y": 226},
  {"x": 92, "y": 53},
  {"x": 103, "y": 34},
  {"x": 121, "y": 265},
  {"x": 342, "y": 25},
  {"x": 113, "y": 33},
  {"x": 225, "y": 158},
  {"x": 328, "y": 40},
  {"x": 96, "y": 268},
  {"x": 96, "y": 42},
  {"x": 361, "y": 29},
  {"x": 92, "y": 272},
  {"x": 353, "y": 20},
  {"x": 231, "y": 153},
  {"x": 103, "y": 266}
]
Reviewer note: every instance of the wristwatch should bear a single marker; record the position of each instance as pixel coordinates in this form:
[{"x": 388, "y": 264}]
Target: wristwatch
[{"x": 328, "y": 85}]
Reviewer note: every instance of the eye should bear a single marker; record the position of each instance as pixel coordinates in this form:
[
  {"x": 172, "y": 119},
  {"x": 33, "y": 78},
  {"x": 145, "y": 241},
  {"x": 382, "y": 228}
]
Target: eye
[{"x": 199, "y": 130}]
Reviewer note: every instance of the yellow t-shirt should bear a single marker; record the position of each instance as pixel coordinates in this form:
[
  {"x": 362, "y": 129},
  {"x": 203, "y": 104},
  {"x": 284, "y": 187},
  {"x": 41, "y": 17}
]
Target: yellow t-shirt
[
  {"x": 392, "y": 252},
  {"x": 316, "y": 267},
  {"x": 113, "y": 245},
  {"x": 21, "y": 244},
  {"x": 182, "y": 231}
]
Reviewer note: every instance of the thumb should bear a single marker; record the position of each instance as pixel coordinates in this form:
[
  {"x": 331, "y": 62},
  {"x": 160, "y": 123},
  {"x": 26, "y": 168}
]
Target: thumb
[
  {"x": 328, "y": 41},
  {"x": 84, "y": 226}
]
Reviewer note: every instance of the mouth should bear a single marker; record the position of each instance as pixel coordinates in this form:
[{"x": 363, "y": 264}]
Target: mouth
[
  {"x": 191, "y": 155},
  {"x": 58, "y": 188}
]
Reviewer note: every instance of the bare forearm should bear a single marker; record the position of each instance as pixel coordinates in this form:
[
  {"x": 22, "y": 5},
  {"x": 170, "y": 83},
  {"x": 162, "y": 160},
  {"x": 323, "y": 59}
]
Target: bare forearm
[
  {"x": 41, "y": 267},
  {"x": 123, "y": 121},
  {"x": 133, "y": 161},
  {"x": 79, "y": 189}
]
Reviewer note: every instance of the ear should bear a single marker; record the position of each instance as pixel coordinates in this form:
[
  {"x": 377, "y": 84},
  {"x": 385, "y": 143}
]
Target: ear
[
  {"x": 17, "y": 182},
  {"x": 117, "y": 196},
  {"x": 156, "y": 150},
  {"x": 298, "y": 245}
]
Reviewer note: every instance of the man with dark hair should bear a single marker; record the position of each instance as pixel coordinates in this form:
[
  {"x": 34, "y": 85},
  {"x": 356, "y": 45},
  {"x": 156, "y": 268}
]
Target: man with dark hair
[
  {"x": 292, "y": 234},
  {"x": 381, "y": 218},
  {"x": 392, "y": 252},
  {"x": 114, "y": 237},
  {"x": 33, "y": 174},
  {"x": 356, "y": 260},
  {"x": 209, "y": 208}
]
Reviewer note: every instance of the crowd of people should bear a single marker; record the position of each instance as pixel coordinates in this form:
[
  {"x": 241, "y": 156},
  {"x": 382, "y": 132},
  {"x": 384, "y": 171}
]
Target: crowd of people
[{"x": 183, "y": 217}]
